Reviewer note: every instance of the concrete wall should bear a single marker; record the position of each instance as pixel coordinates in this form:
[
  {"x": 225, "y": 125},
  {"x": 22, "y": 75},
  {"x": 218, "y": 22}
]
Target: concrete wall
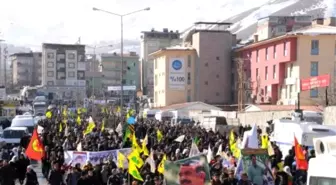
[
  {"x": 260, "y": 118},
  {"x": 329, "y": 115}
]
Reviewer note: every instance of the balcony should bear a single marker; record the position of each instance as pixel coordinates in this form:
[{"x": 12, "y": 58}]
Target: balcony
[
  {"x": 290, "y": 81},
  {"x": 61, "y": 60}
]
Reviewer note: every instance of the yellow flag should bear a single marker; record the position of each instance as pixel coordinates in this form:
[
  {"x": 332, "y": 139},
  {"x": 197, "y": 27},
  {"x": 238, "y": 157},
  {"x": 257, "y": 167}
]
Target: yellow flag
[
  {"x": 159, "y": 135},
  {"x": 233, "y": 145},
  {"x": 264, "y": 141},
  {"x": 103, "y": 125},
  {"x": 132, "y": 170},
  {"x": 60, "y": 129},
  {"x": 135, "y": 145},
  {"x": 134, "y": 157},
  {"x": 121, "y": 160},
  {"x": 79, "y": 120},
  {"x": 144, "y": 146},
  {"x": 161, "y": 165},
  {"x": 90, "y": 126},
  {"x": 49, "y": 114}
]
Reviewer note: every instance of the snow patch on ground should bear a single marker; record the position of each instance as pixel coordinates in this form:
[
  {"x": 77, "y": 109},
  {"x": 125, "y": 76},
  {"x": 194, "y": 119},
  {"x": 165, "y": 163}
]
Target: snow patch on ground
[{"x": 320, "y": 5}]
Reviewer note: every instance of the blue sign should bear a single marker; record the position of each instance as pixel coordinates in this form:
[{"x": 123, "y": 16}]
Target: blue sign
[
  {"x": 131, "y": 120},
  {"x": 177, "y": 64}
]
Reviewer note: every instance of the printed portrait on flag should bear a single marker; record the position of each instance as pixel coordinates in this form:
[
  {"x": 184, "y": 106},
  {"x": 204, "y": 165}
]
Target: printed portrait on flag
[{"x": 190, "y": 171}]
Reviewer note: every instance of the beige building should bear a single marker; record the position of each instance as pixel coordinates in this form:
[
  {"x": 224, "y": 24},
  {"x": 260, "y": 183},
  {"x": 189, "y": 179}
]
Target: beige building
[
  {"x": 152, "y": 41},
  {"x": 63, "y": 70},
  {"x": 200, "y": 70},
  {"x": 26, "y": 69},
  {"x": 174, "y": 69}
]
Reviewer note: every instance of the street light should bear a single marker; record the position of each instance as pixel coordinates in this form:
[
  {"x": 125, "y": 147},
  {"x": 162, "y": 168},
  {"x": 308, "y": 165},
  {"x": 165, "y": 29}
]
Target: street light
[
  {"x": 94, "y": 61},
  {"x": 121, "y": 46}
]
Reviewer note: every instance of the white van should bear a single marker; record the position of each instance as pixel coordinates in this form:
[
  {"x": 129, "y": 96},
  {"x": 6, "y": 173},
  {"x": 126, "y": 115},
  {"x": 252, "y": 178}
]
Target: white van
[
  {"x": 321, "y": 168},
  {"x": 13, "y": 135},
  {"x": 284, "y": 131},
  {"x": 25, "y": 121}
]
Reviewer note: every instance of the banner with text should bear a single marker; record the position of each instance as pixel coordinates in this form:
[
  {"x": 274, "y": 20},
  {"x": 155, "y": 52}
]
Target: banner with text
[{"x": 177, "y": 74}]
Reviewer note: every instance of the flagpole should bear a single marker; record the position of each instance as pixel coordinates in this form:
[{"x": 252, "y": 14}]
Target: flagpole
[{"x": 129, "y": 179}]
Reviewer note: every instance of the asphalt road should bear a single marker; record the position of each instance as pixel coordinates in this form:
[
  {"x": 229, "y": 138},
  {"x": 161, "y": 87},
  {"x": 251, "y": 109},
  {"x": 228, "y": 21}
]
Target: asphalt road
[{"x": 38, "y": 170}]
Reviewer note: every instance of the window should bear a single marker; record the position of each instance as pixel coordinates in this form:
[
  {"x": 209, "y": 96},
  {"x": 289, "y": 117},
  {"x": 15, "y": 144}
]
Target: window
[
  {"x": 290, "y": 90},
  {"x": 50, "y": 64},
  {"x": 266, "y": 55},
  {"x": 274, "y": 51},
  {"x": 71, "y": 65},
  {"x": 206, "y": 64},
  {"x": 50, "y": 73},
  {"x": 71, "y": 56},
  {"x": 217, "y": 58},
  {"x": 266, "y": 73},
  {"x": 217, "y": 76},
  {"x": 189, "y": 95},
  {"x": 257, "y": 73},
  {"x": 217, "y": 94},
  {"x": 206, "y": 82},
  {"x": 124, "y": 81},
  {"x": 266, "y": 90},
  {"x": 155, "y": 64},
  {"x": 314, "y": 69},
  {"x": 50, "y": 56},
  {"x": 189, "y": 60},
  {"x": 285, "y": 48},
  {"x": 314, "y": 47},
  {"x": 189, "y": 78},
  {"x": 156, "y": 80},
  {"x": 71, "y": 74},
  {"x": 50, "y": 83},
  {"x": 257, "y": 54},
  {"x": 313, "y": 93},
  {"x": 156, "y": 97},
  {"x": 274, "y": 71}
]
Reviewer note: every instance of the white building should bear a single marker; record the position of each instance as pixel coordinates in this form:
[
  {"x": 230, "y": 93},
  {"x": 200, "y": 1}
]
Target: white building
[
  {"x": 63, "y": 70},
  {"x": 152, "y": 41}
]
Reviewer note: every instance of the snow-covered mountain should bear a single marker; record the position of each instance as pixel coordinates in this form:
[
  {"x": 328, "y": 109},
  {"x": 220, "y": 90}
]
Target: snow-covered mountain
[{"x": 244, "y": 24}]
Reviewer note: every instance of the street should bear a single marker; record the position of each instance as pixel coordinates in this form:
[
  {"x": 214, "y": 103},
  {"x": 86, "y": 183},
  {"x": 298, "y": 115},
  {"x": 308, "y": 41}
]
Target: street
[{"x": 38, "y": 170}]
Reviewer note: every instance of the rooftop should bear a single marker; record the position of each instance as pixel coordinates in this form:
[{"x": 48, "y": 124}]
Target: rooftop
[
  {"x": 63, "y": 45},
  {"x": 285, "y": 107},
  {"x": 190, "y": 106},
  {"x": 22, "y": 55},
  {"x": 313, "y": 30},
  {"x": 172, "y": 48}
]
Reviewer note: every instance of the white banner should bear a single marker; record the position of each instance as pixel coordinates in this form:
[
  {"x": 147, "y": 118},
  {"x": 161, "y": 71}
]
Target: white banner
[
  {"x": 177, "y": 78},
  {"x": 73, "y": 157}
]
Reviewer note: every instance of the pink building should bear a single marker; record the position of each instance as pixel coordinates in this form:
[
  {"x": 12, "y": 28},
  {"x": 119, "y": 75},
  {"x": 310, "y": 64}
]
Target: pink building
[{"x": 267, "y": 60}]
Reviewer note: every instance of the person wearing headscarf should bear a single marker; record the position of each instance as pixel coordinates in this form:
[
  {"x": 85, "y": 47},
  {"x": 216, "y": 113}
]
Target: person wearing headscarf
[{"x": 31, "y": 177}]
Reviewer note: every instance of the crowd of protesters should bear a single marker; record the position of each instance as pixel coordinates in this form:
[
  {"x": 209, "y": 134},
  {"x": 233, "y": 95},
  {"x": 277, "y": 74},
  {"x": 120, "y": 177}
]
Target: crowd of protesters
[{"x": 61, "y": 135}]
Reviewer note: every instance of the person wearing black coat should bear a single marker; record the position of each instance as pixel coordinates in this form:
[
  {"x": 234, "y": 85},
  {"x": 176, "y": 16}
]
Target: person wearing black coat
[
  {"x": 31, "y": 177},
  {"x": 8, "y": 173}
]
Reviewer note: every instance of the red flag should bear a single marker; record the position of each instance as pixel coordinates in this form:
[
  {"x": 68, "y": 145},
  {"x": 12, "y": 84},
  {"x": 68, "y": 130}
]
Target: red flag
[
  {"x": 35, "y": 148},
  {"x": 301, "y": 162}
]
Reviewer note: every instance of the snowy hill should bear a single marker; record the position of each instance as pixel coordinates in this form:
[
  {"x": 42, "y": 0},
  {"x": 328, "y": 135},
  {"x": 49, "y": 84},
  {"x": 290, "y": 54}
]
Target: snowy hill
[{"x": 244, "y": 24}]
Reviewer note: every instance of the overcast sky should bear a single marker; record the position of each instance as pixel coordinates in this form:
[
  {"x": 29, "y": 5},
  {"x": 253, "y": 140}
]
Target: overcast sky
[{"x": 31, "y": 22}]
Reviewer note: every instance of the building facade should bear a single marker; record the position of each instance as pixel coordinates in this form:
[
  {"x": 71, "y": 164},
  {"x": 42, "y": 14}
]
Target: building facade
[
  {"x": 26, "y": 69},
  {"x": 111, "y": 72},
  {"x": 273, "y": 26},
  {"x": 152, "y": 41},
  {"x": 63, "y": 70},
  {"x": 278, "y": 64},
  {"x": 208, "y": 79},
  {"x": 174, "y": 70}
]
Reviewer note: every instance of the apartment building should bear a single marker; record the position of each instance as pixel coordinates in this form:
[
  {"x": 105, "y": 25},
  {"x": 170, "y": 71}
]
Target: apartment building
[
  {"x": 111, "y": 71},
  {"x": 199, "y": 70},
  {"x": 63, "y": 70},
  {"x": 152, "y": 41},
  {"x": 278, "y": 64},
  {"x": 274, "y": 26},
  {"x": 26, "y": 69}
]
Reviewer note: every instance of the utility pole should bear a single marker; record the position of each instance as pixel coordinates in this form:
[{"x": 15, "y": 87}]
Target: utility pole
[
  {"x": 5, "y": 66},
  {"x": 240, "y": 85}
]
